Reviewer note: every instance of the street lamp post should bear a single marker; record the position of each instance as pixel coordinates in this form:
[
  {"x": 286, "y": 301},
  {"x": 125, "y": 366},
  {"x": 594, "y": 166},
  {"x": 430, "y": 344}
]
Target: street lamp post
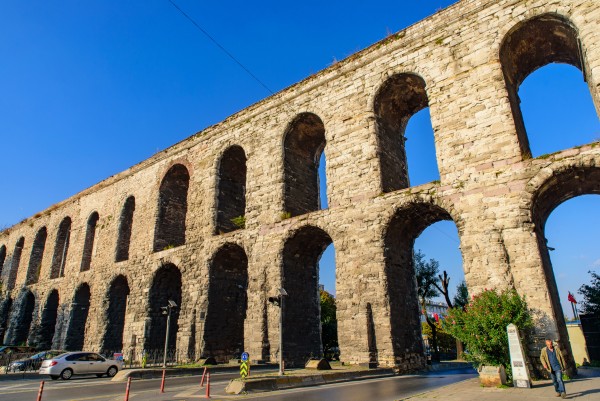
[
  {"x": 278, "y": 301},
  {"x": 167, "y": 310}
]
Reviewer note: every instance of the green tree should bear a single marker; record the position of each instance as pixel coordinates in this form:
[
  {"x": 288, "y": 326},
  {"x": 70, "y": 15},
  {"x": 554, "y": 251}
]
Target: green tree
[
  {"x": 461, "y": 299},
  {"x": 481, "y": 326},
  {"x": 591, "y": 295},
  {"x": 426, "y": 273},
  {"x": 329, "y": 337}
]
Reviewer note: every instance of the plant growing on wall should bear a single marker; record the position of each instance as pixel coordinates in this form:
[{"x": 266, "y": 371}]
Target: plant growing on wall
[
  {"x": 481, "y": 326},
  {"x": 239, "y": 221}
]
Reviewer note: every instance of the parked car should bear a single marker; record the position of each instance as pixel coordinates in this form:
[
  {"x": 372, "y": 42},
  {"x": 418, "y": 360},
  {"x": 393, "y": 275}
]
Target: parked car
[
  {"x": 34, "y": 362},
  {"x": 9, "y": 353},
  {"x": 79, "y": 363}
]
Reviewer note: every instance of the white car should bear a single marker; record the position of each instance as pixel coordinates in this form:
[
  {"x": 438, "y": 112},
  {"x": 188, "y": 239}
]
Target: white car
[{"x": 79, "y": 363}]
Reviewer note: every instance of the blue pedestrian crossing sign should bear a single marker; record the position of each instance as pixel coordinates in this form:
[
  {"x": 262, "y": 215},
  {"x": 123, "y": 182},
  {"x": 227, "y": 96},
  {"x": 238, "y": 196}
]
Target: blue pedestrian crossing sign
[{"x": 245, "y": 356}]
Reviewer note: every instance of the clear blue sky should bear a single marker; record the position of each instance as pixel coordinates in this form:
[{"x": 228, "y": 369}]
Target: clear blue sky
[{"x": 88, "y": 89}]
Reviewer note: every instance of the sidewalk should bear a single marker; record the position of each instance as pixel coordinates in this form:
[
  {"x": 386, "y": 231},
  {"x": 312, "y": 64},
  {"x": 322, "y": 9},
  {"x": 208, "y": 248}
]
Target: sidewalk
[{"x": 585, "y": 387}]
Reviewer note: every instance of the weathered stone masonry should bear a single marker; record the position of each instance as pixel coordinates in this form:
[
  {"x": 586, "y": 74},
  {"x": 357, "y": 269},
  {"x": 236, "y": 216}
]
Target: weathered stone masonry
[{"x": 161, "y": 230}]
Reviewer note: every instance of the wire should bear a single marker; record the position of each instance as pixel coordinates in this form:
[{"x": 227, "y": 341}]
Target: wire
[{"x": 209, "y": 36}]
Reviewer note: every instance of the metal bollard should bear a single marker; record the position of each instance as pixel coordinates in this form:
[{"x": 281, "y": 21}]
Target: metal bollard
[
  {"x": 203, "y": 375},
  {"x": 41, "y": 391},
  {"x": 127, "y": 389},
  {"x": 207, "y": 385},
  {"x": 162, "y": 383}
]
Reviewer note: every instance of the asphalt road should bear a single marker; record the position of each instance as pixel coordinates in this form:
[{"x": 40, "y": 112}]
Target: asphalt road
[{"x": 187, "y": 388}]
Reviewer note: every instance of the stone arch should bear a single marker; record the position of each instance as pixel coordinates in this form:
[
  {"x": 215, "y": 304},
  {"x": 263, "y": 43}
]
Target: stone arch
[
  {"x": 166, "y": 285},
  {"x": 399, "y": 98},
  {"x": 530, "y": 45},
  {"x": 125, "y": 227},
  {"x": 172, "y": 208},
  {"x": 80, "y": 308},
  {"x": 300, "y": 270},
  {"x": 563, "y": 184},
  {"x": 22, "y": 323},
  {"x": 118, "y": 294},
  {"x": 227, "y": 303},
  {"x": 88, "y": 245},
  {"x": 304, "y": 141},
  {"x": 37, "y": 254},
  {"x": 48, "y": 321},
  {"x": 231, "y": 197},
  {"x": 5, "y": 309},
  {"x": 2, "y": 257},
  {"x": 15, "y": 263},
  {"x": 405, "y": 226},
  {"x": 61, "y": 248}
]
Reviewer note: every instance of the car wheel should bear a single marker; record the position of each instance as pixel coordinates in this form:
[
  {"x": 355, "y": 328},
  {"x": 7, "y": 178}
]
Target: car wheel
[
  {"x": 66, "y": 374},
  {"x": 99, "y": 374},
  {"x": 112, "y": 371},
  {"x": 54, "y": 377}
]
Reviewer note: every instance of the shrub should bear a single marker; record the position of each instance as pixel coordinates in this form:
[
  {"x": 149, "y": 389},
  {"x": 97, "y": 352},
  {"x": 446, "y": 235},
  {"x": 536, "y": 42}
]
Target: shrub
[{"x": 482, "y": 326}]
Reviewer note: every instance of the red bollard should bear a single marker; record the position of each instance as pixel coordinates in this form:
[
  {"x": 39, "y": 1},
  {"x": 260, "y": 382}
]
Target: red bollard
[
  {"x": 127, "y": 389},
  {"x": 207, "y": 385},
  {"x": 162, "y": 383},
  {"x": 203, "y": 375},
  {"x": 39, "y": 397}
]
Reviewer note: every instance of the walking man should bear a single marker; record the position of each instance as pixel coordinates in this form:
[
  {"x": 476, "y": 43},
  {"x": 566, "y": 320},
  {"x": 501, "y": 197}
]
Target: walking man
[{"x": 553, "y": 362}]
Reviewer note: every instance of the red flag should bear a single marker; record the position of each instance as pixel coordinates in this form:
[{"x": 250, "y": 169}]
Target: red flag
[
  {"x": 571, "y": 298},
  {"x": 436, "y": 317}
]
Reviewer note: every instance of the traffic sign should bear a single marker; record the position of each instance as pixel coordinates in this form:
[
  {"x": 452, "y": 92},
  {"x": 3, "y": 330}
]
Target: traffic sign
[
  {"x": 245, "y": 356},
  {"x": 244, "y": 369}
]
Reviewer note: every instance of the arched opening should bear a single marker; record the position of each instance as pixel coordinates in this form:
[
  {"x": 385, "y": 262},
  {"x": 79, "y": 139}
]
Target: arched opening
[
  {"x": 16, "y": 261},
  {"x": 5, "y": 306},
  {"x": 37, "y": 253},
  {"x": 166, "y": 286},
  {"x": 227, "y": 302},
  {"x": 172, "y": 209},
  {"x": 557, "y": 90},
  {"x": 303, "y": 144},
  {"x": 24, "y": 319},
  {"x": 125, "y": 227},
  {"x": 118, "y": 294},
  {"x": 571, "y": 232},
  {"x": 400, "y": 98},
  {"x": 302, "y": 311},
  {"x": 48, "y": 322},
  {"x": 61, "y": 247},
  {"x": 2, "y": 257},
  {"x": 532, "y": 44},
  {"x": 439, "y": 246},
  {"x": 231, "y": 200},
  {"x": 328, "y": 306},
  {"x": 405, "y": 312},
  {"x": 80, "y": 309},
  {"x": 88, "y": 245},
  {"x": 561, "y": 187}
]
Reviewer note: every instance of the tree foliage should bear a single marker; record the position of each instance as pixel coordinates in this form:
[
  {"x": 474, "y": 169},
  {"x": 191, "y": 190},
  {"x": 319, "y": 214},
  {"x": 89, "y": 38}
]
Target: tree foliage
[
  {"x": 329, "y": 337},
  {"x": 591, "y": 295},
  {"x": 461, "y": 298},
  {"x": 481, "y": 326}
]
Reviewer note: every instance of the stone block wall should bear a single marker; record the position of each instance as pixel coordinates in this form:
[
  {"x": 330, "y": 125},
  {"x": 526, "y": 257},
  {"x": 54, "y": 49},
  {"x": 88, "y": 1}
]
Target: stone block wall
[{"x": 470, "y": 59}]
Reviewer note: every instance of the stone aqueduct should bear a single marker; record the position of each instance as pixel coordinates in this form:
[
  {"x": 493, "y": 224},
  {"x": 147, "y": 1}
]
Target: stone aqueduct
[{"x": 92, "y": 271}]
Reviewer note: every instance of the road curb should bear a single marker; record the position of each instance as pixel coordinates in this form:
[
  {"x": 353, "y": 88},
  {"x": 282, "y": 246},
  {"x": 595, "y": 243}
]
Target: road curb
[
  {"x": 238, "y": 386},
  {"x": 156, "y": 373}
]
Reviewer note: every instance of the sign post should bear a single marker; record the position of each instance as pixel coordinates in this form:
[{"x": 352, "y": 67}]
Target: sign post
[
  {"x": 245, "y": 365},
  {"x": 517, "y": 361}
]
